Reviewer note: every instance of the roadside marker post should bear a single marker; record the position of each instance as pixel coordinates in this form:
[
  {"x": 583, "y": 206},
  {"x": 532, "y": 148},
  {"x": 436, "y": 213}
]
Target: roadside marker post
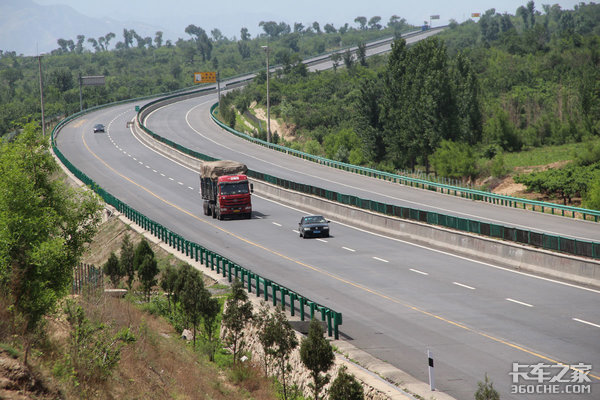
[{"x": 431, "y": 378}]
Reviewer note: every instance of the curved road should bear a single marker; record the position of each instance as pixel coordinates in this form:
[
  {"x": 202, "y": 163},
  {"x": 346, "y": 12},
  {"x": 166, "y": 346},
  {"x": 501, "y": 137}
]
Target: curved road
[
  {"x": 398, "y": 299},
  {"x": 188, "y": 123}
]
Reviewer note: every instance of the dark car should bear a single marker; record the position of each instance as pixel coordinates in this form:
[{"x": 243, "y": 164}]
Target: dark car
[
  {"x": 313, "y": 225},
  {"x": 98, "y": 128}
]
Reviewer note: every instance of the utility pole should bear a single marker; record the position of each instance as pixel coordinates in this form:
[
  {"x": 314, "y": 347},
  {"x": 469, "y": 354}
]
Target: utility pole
[
  {"x": 266, "y": 48},
  {"x": 42, "y": 94}
]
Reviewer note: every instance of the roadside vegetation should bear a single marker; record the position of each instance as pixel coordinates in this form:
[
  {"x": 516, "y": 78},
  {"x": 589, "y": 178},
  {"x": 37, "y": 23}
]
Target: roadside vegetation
[{"x": 462, "y": 105}]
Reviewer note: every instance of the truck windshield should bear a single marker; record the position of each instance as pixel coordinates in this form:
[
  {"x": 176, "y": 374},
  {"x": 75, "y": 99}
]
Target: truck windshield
[{"x": 234, "y": 188}]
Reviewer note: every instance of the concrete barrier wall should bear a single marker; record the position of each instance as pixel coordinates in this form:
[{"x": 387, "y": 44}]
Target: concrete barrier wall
[{"x": 511, "y": 255}]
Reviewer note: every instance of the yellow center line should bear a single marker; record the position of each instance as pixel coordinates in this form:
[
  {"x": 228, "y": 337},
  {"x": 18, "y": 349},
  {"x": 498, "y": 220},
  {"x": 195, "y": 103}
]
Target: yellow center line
[{"x": 329, "y": 274}]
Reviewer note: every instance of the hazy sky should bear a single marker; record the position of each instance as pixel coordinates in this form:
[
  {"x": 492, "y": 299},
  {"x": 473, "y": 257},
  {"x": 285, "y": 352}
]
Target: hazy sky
[{"x": 231, "y": 15}]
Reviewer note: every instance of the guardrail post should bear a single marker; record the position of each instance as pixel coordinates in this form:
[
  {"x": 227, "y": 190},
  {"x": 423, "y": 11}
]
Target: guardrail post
[
  {"x": 275, "y": 289},
  {"x": 229, "y": 267},
  {"x": 329, "y": 327},
  {"x": 224, "y": 263},
  {"x": 267, "y": 284},
  {"x": 312, "y": 309},
  {"x": 292, "y": 305},
  {"x": 218, "y": 258},
  {"x": 302, "y": 301},
  {"x": 283, "y": 292},
  {"x": 336, "y": 322}
]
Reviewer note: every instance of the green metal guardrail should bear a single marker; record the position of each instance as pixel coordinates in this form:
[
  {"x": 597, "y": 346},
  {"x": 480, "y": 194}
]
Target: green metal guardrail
[
  {"x": 541, "y": 240},
  {"x": 472, "y": 194},
  {"x": 208, "y": 258}
]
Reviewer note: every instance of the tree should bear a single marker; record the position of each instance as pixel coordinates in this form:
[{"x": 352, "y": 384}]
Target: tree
[
  {"x": 374, "y": 23},
  {"x": 203, "y": 43},
  {"x": 361, "y": 53},
  {"x": 158, "y": 39},
  {"x": 469, "y": 116},
  {"x": 147, "y": 271},
  {"x": 418, "y": 102},
  {"x": 486, "y": 391},
  {"x": 346, "y": 387},
  {"x": 112, "y": 268},
  {"x": 329, "y": 28},
  {"x": 107, "y": 38},
  {"x": 591, "y": 199},
  {"x": 244, "y": 35},
  {"x": 94, "y": 43},
  {"x": 454, "y": 160},
  {"x": 141, "y": 251},
  {"x": 79, "y": 45},
  {"x": 44, "y": 226},
  {"x": 278, "y": 340},
  {"x": 362, "y": 21},
  {"x": 192, "y": 298},
  {"x": 168, "y": 282},
  {"x": 317, "y": 355},
  {"x": 210, "y": 311},
  {"x": 126, "y": 260},
  {"x": 238, "y": 312},
  {"x": 348, "y": 58},
  {"x": 316, "y": 27},
  {"x": 335, "y": 60}
]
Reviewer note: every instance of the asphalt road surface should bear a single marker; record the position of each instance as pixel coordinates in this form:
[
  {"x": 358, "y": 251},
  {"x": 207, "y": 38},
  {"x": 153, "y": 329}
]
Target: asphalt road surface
[{"x": 397, "y": 299}]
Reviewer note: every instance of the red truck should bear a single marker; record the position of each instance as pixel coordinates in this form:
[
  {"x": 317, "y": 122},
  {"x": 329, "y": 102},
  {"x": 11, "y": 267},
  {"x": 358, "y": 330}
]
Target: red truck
[{"x": 225, "y": 189}]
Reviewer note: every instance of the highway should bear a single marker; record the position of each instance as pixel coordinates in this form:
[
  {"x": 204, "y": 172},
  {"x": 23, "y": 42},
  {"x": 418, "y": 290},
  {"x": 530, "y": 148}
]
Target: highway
[{"x": 398, "y": 299}]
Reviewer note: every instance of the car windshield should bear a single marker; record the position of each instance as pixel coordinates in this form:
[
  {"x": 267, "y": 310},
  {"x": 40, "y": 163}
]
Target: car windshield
[
  {"x": 317, "y": 219},
  {"x": 234, "y": 188}
]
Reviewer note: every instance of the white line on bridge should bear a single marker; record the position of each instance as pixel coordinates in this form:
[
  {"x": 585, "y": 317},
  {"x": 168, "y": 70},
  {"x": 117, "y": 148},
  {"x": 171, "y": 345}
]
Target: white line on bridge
[
  {"x": 275, "y": 223},
  {"x": 322, "y": 240},
  {"x": 519, "y": 302},
  {"x": 380, "y": 259},
  {"x": 349, "y": 249},
  {"x": 586, "y": 322}
]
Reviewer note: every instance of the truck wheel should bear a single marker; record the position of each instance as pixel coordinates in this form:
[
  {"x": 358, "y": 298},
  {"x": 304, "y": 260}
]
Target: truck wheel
[
  {"x": 213, "y": 212},
  {"x": 249, "y": 216}
]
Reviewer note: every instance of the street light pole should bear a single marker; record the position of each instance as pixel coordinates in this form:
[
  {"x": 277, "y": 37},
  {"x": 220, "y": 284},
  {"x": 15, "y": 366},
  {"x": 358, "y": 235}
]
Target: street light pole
[
  {"x": 42, "y": 95},
  {"x": 266, "y": 48}
]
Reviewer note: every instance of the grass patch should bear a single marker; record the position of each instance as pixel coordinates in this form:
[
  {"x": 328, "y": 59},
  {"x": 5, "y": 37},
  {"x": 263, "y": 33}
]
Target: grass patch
[
  {"x": 545, "y": 155},
  {"x": 14, "y": 353}
]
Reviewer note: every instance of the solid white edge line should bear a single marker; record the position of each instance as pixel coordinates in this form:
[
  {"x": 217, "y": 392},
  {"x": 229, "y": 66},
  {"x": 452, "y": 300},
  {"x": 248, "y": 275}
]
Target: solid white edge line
[
  {"x": 463, "y": 285},
  {"x": 586, "y": 322},
  {"x": 519, "y": 302},
  {"x": 419, "y": 272}
]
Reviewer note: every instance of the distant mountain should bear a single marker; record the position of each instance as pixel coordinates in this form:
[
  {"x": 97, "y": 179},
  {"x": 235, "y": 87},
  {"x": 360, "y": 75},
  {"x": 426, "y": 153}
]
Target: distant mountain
[{"x": 29, "y": 28}]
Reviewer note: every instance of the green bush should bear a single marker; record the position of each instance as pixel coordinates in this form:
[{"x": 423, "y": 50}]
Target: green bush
[{"x": 454, "y": 160}]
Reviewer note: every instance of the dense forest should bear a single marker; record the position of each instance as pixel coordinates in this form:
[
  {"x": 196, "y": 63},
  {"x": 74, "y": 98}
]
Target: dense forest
[{"x": 458, "y": 102}]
